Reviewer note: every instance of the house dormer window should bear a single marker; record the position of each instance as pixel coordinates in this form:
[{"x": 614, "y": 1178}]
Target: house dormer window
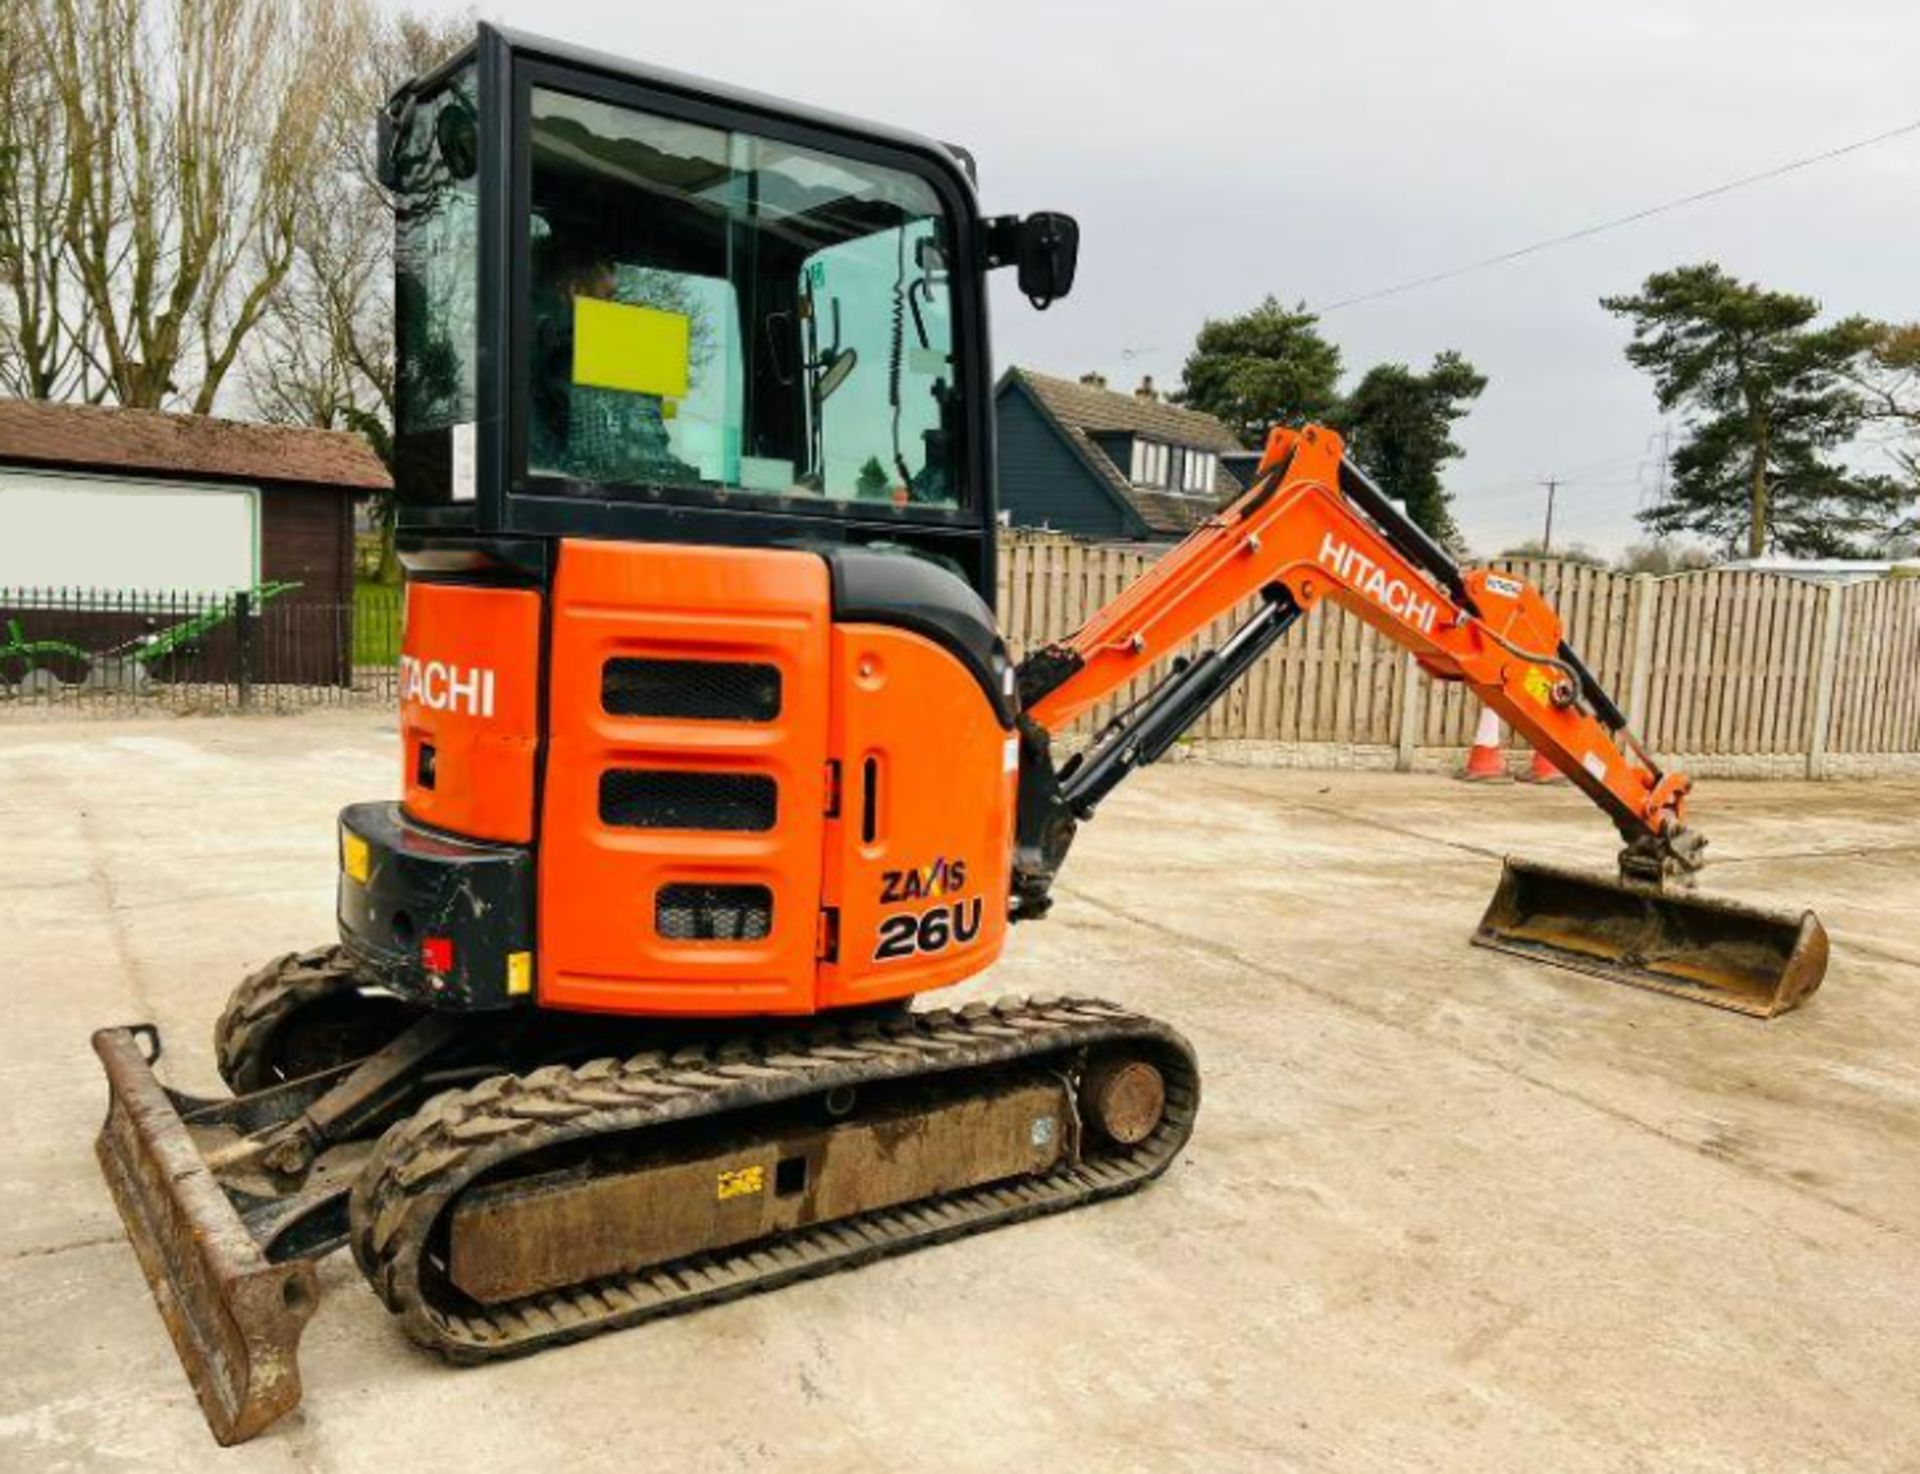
[
  {"x": 1150, "y": 462},
  {"x": 1077, "y": 456},
  {"x": 1161, "y": 467},
  {"x": 1196, "y": 472}
]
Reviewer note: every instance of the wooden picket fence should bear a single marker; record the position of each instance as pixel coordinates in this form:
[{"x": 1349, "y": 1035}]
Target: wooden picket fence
[{"x": 1734, "y": 665}]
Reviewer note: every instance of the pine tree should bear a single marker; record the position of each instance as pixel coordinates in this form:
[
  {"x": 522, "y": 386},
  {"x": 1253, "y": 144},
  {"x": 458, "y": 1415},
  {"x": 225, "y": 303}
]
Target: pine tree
[
  {"x": 1772, "y": 407},
  {"x": 1399, "y": 429},
  {"x": 1263, "y": 368}
]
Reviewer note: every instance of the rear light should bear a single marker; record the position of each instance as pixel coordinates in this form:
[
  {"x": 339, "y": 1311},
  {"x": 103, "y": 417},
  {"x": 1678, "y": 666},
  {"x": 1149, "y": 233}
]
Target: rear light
[{"x": 436, "y": 954}]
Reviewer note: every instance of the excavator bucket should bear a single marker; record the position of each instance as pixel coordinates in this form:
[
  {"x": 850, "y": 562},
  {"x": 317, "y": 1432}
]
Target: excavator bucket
[
  {"x": 235, "y": 1317},
  {"x": 1725, "y": 953}
]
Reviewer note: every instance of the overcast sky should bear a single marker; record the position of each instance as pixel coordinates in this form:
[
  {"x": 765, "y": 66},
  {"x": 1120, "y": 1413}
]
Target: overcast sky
[{"x": 1217, "y": 150}]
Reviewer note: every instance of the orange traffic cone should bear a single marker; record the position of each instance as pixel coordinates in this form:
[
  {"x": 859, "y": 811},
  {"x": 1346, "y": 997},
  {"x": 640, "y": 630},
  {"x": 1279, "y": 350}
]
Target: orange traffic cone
[
  {"x": 1487, "y": 761},
  {"x": 1542, "y": 770}
]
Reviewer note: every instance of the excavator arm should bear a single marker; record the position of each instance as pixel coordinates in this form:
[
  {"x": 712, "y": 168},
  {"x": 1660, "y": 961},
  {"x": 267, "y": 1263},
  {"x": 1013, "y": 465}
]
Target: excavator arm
[{"x": 1312, "y": 527}]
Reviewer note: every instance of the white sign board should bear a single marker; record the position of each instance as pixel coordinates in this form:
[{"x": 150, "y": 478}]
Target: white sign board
[{"x": 108, "y": 532}]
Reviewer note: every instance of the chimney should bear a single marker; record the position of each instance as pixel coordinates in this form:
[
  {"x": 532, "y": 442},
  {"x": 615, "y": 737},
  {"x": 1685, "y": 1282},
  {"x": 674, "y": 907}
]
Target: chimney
[
  {"x": 1094, "y": 379},
  {"x": 1146, "y": 390}
]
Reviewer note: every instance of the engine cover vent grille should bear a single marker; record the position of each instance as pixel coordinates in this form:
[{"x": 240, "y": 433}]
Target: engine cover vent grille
[
  {"x": 713, "y": 913},
  {"x": 656, "y": 798},
  {"x": 703, "y": 690}
]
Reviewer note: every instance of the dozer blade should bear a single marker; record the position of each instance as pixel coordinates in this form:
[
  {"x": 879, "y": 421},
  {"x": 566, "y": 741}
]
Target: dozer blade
[
  {"x": 1725, "y": 953},
  {"x": 235, "y": 1317}
]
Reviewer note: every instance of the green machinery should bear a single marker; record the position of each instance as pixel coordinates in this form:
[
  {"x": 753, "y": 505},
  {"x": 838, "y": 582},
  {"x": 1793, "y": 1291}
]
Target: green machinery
[{"x": 25, "y": 662}]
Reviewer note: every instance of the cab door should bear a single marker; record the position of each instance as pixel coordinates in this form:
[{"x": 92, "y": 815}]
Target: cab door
[{"x": 683, "y": 812}]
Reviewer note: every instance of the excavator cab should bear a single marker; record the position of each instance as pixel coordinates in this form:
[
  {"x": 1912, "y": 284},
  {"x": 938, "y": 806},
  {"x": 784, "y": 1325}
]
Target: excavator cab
[{"x": 635, "y": 307}]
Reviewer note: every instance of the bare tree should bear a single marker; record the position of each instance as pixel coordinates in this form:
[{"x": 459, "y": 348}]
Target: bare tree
[
  {"x": 327, "y": 355},
  {"x": 1661, "y": 557},
  {"x": 156, "y": 163},
  {"x": 1534, "y": 547},
  {"x": 43, "y": 315},
  {"x": 325, "y": 352}
]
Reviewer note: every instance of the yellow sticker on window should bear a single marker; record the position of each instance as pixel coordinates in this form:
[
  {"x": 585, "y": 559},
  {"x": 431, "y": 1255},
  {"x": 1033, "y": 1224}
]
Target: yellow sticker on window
[
  {"x": 519, "y": 974},
  {"x": 637, "y": 350},
  {"x": 740, "y": 1182}
]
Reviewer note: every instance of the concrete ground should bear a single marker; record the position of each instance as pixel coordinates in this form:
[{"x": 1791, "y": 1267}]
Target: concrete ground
[{"x": 1444, "y": 1210}]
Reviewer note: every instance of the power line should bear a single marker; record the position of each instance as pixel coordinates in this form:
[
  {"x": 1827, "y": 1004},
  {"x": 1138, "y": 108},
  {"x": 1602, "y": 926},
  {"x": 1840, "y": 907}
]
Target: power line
[
  {"x": 1592, "y": 230},
  {"x": 1530, "y": 483},
  {"x": 1529, "y": 494}
]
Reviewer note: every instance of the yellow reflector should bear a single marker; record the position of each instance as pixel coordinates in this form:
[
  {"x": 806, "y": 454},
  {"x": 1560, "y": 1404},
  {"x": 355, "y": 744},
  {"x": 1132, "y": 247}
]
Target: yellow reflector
[
  {"x": 355, "y": 858},
  {"x": 740, "y": 1182},
  {"x": 519, "y": 973},
  {"x": 638, "y": 350}
]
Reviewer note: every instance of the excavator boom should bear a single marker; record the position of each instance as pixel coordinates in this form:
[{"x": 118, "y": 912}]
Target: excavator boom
[{"x": 1312, "y": 527}]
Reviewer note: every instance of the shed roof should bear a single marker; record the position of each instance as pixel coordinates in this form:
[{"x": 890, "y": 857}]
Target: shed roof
[
  {"x": 109, "y": 438},
  {"x": 1084, "y": 410}
]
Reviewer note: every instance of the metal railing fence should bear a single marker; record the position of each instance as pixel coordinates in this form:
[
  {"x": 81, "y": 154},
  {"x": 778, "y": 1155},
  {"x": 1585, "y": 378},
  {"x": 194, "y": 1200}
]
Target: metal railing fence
[{"x": 127, "y": 650}]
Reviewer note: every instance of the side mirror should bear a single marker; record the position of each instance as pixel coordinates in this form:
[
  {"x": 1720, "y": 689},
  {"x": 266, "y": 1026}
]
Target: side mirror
[
  {"x": 839, "y": 366},
  {"x": 1049, "y": 253},
  {"x": 1045, "y": 247}
]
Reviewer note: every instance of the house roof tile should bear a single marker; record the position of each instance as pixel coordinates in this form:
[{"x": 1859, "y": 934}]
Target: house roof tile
[{"x": 110, "y": 438}]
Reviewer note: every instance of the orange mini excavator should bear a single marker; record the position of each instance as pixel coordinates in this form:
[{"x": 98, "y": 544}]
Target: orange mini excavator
[{"x": 713, "y": 759}]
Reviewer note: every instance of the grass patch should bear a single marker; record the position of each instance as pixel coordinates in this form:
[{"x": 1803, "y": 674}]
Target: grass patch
[{"x": 376, "y": 623}]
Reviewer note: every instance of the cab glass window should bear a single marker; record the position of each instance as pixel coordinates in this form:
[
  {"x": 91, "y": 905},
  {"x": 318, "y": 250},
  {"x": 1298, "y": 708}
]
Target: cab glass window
[
  {"x": 707, "y": 309},
  {"x": 436, "y": 248}
]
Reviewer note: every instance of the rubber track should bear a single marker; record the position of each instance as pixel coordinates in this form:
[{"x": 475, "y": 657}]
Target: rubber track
[
  {"x": 421, "y": 1165},
  {"x": 266, "y": 999}
]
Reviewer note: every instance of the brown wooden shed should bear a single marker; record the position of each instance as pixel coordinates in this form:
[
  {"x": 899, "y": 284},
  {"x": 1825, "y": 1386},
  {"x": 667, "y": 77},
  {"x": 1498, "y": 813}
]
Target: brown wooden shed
[{"x": 108, "y": 515}]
